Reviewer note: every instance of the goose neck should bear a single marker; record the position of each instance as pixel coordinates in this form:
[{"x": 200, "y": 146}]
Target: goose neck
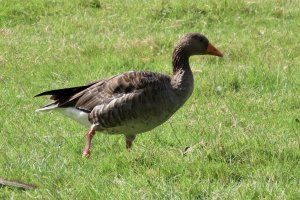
[{"x": 180, "y": 60}]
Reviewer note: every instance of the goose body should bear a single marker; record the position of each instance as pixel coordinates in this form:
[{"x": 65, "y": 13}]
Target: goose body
[{"x": 133, "y": 102}]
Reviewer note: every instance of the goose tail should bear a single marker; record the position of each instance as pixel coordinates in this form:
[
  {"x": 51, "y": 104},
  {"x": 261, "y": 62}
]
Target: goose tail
[{"x": 47, "y": 107}]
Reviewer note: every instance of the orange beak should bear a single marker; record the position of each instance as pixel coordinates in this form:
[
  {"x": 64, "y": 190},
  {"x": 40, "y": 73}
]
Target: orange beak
[{"x": 211, "y": 50}]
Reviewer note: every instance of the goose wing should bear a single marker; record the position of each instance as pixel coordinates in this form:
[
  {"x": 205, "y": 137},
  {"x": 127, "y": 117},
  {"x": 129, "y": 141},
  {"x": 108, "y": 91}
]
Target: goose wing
[
  {"x": 102, "y": 92},
  {"x": 131, "y": 83}
]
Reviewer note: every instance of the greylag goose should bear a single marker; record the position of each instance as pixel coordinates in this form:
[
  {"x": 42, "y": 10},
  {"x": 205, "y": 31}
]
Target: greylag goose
[{"x": 133, "y": 102}]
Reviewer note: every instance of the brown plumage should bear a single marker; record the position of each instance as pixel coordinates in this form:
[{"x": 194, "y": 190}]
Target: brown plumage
[{"x": 133, "y": 102}]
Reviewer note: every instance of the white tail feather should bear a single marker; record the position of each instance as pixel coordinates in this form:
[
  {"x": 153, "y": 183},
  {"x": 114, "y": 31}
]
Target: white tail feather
[{"x": 47, "y": 108}]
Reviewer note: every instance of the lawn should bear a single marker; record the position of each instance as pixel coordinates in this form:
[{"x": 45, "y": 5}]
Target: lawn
[{"x": 242, "y": 122}]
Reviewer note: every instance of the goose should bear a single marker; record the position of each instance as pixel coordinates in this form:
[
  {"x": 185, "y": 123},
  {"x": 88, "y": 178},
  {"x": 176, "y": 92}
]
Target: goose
[{"x": 133, "y": 102}]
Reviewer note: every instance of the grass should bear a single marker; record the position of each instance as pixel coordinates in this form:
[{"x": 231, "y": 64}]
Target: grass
[{"x": 243, "y": 119}]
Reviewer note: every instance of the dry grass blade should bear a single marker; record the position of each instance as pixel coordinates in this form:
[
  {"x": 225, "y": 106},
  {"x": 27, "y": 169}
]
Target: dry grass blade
[
  {"x": 189, "y": 149},
  {"x": 14, "y": 184}
]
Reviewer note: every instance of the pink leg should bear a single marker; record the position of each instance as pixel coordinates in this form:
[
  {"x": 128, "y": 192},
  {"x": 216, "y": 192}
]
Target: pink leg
[
  {"x": 129, "y": 139},
  {"x": 89, "y": 137}
]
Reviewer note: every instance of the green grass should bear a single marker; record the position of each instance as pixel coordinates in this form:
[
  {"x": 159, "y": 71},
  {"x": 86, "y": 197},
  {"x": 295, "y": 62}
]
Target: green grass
[{"x": 242, "y": 119}]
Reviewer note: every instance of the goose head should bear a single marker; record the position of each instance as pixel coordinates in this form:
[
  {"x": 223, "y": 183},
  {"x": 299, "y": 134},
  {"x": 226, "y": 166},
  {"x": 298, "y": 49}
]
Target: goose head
[{"x": 197, "y": 44}]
